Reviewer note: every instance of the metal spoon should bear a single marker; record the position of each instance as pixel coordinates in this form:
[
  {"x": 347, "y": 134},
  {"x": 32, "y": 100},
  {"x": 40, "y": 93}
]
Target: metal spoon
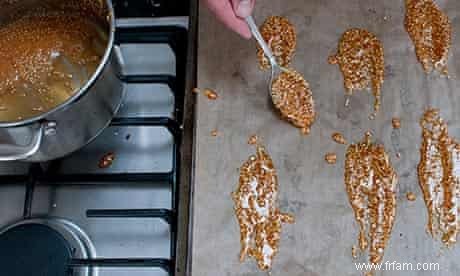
[{"x": 276, "y": 69}]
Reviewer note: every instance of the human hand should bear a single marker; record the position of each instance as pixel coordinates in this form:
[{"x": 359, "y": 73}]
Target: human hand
[{"x": 232, "y": 14}]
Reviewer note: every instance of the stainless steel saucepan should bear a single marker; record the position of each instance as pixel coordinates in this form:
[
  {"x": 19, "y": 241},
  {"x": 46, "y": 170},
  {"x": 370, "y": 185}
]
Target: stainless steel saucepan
[{"x": 75, "y": 122}]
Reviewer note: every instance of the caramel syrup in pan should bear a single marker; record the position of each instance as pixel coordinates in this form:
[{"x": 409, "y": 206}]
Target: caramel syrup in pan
[
  {"x": 370, "y": 181},
  {"x": 46, "y": 57},
  {"x": 257, "y": 210},
  {"x": 439, "y": 177}
]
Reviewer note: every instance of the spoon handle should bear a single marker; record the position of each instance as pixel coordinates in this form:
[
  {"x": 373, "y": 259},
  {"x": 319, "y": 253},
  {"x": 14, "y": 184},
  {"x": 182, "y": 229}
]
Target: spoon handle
[{"x": 255, "y": 32}]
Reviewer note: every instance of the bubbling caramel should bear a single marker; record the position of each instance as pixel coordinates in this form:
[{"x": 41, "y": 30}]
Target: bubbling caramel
[
  {"x": 46, "y": 57},
  {"x": 439, "y": 178},
  {"x": 431, "y": 32},
  {"x": 370, "y": 181},
  {"x": 281, "y": 37},
  {"x": 361, "y": 60},
  {"x": 292, "y": 96},
  {"x": 257, "y": 210}
]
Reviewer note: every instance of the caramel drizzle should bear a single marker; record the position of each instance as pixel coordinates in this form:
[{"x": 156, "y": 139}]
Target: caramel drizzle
[
  {"x": 370, "y": 182},
  {"x": 431, "y": 32},
  {"x": 293, "y": 97},
  {"x": 361, "y": 60},
  {"x": 439, "y": 177},
  {"x": 281, "y": 37},
  {"x": 257, "y": 210}
]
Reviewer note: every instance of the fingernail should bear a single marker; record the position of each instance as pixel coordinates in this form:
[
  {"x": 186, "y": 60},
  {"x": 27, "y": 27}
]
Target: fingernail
[{"x": 244, "y": 8}]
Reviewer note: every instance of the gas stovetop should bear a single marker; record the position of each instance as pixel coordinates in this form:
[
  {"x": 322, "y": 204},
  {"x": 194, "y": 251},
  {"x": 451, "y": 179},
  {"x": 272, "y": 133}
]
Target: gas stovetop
[{"x": 129, "y": 214}]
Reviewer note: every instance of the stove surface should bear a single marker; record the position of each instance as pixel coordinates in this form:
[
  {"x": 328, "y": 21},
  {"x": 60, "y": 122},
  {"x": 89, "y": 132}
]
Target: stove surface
[{"x": 139, "y": 186}]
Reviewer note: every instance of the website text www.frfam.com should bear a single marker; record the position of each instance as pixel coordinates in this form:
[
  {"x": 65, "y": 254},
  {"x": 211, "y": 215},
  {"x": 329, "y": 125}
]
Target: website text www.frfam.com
[{"x": 397, "y": 266}]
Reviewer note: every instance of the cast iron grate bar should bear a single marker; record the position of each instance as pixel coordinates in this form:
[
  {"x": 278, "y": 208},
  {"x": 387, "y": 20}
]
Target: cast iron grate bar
[
  {"x": 172, "y": 125},
  {"x": 165, "y": 214},
  {"x": 165, "y": 264},
  {"x": 166, "y": 79},
  {"x": 175, "y": 37},
  {"x": 34, "y": 172}
]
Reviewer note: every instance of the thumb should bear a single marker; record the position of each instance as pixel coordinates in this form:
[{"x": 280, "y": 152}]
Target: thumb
[{"x": 243, "y": 8}]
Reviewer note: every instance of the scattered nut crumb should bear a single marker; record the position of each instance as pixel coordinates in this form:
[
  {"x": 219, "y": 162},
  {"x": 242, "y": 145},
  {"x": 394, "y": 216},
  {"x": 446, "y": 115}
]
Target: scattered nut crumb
[
  {"x": 253, "y": 139},
  {"x": 411, "y": 196},
  {"x": 106, "y": 160},
  {"x": 331, "y": 158},
  {"x": 196, "y": 90},
  {"x": 211, "y": 94},
  {"x": 398, "y": 155},
  {"x": 338, "y": 138},
  {"x": 305, "y": 130},
  {"x": 354, "y": 251},
  {"x": 214, "y": 133},
  {"x": 396, "y": 122}
]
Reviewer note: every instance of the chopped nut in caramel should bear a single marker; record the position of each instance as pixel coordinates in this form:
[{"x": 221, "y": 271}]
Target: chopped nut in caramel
[
  {"x": 305, "y": 130},
  {"x": 292, "y": 96},
  {"x": 354, "y": 252},
  {"x": 431, "y": 32},
  {"x": 257, "y": 209},
  {"x": 107, "y": 160},
  {"x": 280, "y": 35},
  {"x": 370, "y": 181},
  {"x": 396, "y": 122},
  {"x": 338, "y": 138},
  {"x": 331, "y": 158},
  {"x": 439, "y": 177},
  {"x": 361, "y": 60},
  {"x": 411, "y": 196},
  {"x": 211, "y": 94},
  {"x": 253, "y": 140}
]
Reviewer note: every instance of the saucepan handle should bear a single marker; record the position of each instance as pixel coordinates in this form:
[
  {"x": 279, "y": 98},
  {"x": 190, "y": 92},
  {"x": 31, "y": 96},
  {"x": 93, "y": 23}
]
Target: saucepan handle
[
  {"x": 119, "y": 61},
  {"x": 9, "y": 152}
]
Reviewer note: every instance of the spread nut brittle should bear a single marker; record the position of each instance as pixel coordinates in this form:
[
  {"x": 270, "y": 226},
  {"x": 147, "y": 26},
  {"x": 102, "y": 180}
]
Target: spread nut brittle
[
  {"x": 257, "y": 210},
  {"x": 280, "y": 36},
  {"x": 361, "y": 60},
  {"x": 439, "y": 177},
  {"x": 370, "y": 181},
  {"x": 431, "y": 32},
  {"x": 292, "y": 96}
]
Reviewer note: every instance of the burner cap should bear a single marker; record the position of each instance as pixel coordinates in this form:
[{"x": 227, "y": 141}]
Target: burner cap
[{"x": 34, "y": 249}]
